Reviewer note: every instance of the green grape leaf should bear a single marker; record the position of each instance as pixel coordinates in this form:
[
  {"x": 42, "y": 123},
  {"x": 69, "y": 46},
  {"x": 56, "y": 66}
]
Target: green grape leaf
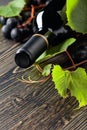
[
  {"x": 76, "y": 12},
  {"x": 56, "y": 49},
  {"x": 41, "y": 57},
  {"x": 47, "y": 70},
  {"x": 61, "y": 80},
  {"x": 61, "y": 47},
  {"x": 75, "y": 81},
  {"x": 78, "y": 86},
  {"x": 12, "y": 8}
]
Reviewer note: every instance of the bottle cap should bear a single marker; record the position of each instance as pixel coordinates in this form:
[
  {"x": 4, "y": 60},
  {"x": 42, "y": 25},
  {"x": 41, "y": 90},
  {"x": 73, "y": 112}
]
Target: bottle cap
[
  {"x": 32, "y": 49},
  {"x": 22, "y": 59}
]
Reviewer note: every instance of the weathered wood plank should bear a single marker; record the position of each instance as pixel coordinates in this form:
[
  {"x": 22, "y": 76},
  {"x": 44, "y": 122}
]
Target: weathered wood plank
[{"x": 35, "y": 106}]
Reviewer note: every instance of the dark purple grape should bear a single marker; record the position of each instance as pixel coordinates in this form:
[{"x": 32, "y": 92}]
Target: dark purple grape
[
  {"x": 26, "y": 15},
  {"x": 6, "y": 31},
  {"x": 36, "y": 2},
  {"x": 27, "y": 32},
  {"x": 80, "y": 54},
  {"x": 3, "y": 20},
  {"x": 20, "y": 20},
  {"x": 12, "y": 22},
  {"x": 19, "y": 34},
  {"x": 16, "y": 34}
]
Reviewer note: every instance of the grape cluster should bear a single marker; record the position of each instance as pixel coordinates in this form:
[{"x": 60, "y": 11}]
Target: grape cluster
[
  {"x": 20, "y": 28},
  {"x": 11, "y": 29}
]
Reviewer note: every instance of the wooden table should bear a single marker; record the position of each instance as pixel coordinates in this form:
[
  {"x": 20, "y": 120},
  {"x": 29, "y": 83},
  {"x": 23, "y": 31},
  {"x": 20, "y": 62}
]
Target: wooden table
[{"x": 33, "y": 106}]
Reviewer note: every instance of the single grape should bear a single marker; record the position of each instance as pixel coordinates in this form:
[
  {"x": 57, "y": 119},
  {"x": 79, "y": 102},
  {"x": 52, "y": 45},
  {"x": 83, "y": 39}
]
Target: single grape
[
  {"x": 80, "y": 54},
  {"x": 26, "y": 32},
  {"x": 20, "y": 20},
  {"x": 12, "y": 22},
  {"x": 26, "y": 15},
  {"x": 36, "y": 2},
  {"x": 16, "y": 34},
  {"x": 3, "y": 20},
  {"x": 6, "y": 31}
]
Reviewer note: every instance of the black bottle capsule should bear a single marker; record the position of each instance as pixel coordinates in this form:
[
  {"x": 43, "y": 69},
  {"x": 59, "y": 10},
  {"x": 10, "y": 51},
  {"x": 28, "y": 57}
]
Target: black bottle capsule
[{"x": 33, "y": 48}]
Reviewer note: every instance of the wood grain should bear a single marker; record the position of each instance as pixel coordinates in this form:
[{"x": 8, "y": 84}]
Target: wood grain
[{"x": 35, "y": 106}]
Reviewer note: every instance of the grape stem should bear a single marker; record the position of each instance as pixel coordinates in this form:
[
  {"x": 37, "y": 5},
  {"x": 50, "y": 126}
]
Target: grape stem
[
  {"x": 72, "y": 61},
  {"x": 32, "y": 8},
  {"x": 35, "y": 7},
  {"x": 29, "y": 19},
  {"x": 75, "y": 65}
]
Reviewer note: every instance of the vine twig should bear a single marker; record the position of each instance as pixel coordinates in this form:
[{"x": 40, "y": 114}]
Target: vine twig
[
  {"x": 72, "y": 61},
  {"x": 76, "y": 65}
]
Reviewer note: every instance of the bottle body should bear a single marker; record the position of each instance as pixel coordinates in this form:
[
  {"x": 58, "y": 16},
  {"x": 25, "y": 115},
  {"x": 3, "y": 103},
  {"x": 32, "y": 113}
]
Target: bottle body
[{"x": 32, "y": 49}]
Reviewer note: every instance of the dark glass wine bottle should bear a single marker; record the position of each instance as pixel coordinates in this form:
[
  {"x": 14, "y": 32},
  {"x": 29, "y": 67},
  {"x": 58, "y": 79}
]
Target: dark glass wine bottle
[{"x": 49, "y": 31}]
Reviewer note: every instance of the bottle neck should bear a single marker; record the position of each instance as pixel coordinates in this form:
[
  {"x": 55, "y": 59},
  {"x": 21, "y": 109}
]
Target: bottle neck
[
  {"x": 55, "y": 37},
  {"x": 47, "y": 37},
  {"x": 50, "y": 36}
]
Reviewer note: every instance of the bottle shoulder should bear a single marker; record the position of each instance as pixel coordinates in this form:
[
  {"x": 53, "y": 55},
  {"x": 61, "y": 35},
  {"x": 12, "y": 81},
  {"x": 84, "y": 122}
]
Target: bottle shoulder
[{"x": 46, "y": 19}]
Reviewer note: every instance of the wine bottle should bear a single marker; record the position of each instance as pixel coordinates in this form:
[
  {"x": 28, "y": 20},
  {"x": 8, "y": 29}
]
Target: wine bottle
[{"x": 49, "y": 31}]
